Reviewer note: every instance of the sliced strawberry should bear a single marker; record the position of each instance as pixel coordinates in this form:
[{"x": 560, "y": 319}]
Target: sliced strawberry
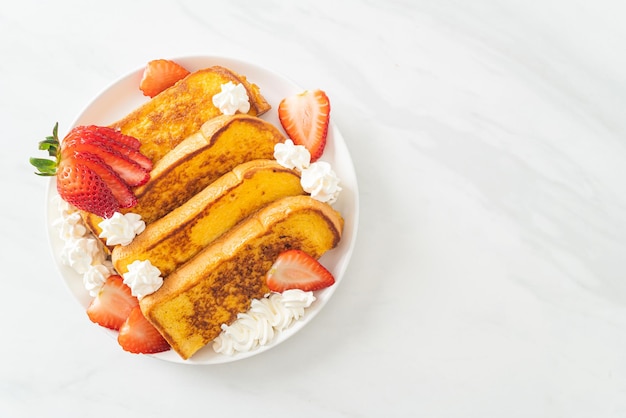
[
  {"x": 118, "y": 136},
  {"x": 82, "y": 180},
  {"x": 295, "y": 269},
  {"x": 114, "y": 134},
  {"x": 102, "y": 138},
  {"x": 81, "y": 187},
  {"x": 160, "y": 75},
  {"x": 120, "y": 189},
  {"x": 138, "y": 335},
  {"x": 124, "y": 144},
  {"x": 305, "y": 118},
  {"x": 113, "y": 304},
  {"x": 131, "y": 172},
  {"x": 130, "y": 153}
]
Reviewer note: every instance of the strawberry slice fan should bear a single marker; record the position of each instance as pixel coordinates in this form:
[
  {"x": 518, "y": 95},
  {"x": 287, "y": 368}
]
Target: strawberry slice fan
[{"x": 96, "y": 168}]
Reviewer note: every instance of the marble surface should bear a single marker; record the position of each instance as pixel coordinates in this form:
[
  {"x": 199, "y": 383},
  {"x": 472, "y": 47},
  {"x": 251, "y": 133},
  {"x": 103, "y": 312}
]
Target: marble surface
[{"x": 489, "y": 143}]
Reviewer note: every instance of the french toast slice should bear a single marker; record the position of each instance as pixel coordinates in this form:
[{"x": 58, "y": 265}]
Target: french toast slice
[
  {"x": 178, "y": 236},
  {"x": 177, "y": 112},
  {"x": 221, "y": 280},
  {"x": 220, "y": 144}
]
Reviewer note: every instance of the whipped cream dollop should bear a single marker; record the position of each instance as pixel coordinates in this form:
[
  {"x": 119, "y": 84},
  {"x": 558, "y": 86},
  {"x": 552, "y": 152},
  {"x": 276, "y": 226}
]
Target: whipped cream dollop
[
  {"x": 121, "y": 229},
  {"x": 265, "y": 318},
  {"x": 321, "y": 182},
  {"x": 292, "y": 156},
  {"x": 64, "y": 208},
  {"x": 317, "y": 179},
  {"x": 81, "y": 253},
  {"x": 232, "y": 98},
  {"x": 96, "y": 275},
  {"x": 143, "y": 278},
  {"x": 69, "y": 223},
  {"x": 71, "y": 226}
]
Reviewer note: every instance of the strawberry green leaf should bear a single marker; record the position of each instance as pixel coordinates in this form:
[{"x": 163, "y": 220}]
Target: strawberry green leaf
[
  {"x": 51, "y": 144},
  {"x": 46, "y": 167}
]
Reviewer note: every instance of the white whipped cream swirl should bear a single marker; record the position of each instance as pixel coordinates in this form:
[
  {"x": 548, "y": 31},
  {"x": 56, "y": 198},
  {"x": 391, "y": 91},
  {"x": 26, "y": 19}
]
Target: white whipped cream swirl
[
  {"x": 81, "y": 253},
  {"x": 318, "y": 178},
  {"x": 95, "y": 276},
  {"x": 71, "y": 226},
  {"x": 265, "y": 318},
  {"x": 321, "y": 182},
  {"x": 143, "y": 278},
  {"x": 121, "y": 229},
  {"x": 292, "y": 156},
  {"x": 64, "y": 208},
  {"x": 232, "y": 98}
]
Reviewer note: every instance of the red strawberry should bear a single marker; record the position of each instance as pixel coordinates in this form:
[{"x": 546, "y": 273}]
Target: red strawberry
[
  {"x": 111, "y": 133},
  {"x": 130, "y": 153},
  {"x": 305, "y": 118},
  {"x": 83, "y": 188},
  {"x": 113, "y": 304},
  {"x": 159, "y": 75},
  {"x": 295, "y": 269},
  {"x": 131, "y": 172},
  {"x": 124, "y": 144},
  {"x": 120, "y": 189},
  {"x": 95, "y": 172},
  {"x": 138, "y": 335}
]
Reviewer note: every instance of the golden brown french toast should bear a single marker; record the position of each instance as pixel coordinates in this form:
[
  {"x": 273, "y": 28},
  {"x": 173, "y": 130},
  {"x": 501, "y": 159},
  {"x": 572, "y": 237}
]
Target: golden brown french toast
[
  {"x": 221, "y": 144},
  {"x": 216, "y": 148},
  {"x": 178, "y": 236},
  {"x": 179, "y": 111},
  {"x": 221, "y": 280}
]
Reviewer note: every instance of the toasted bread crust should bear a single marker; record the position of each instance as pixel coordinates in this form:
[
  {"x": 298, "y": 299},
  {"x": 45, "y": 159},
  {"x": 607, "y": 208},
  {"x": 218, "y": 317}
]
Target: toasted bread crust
[
  {"x": 179, "y": 111},
  {"x": 182, "y": 233},
  {"x": 221, "y": 280}
]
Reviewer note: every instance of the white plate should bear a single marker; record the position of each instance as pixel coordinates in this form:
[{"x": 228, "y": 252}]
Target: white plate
[{"x": 123, "y": 96}]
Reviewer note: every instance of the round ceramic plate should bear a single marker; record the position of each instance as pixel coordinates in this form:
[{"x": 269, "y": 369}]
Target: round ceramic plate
[{"x": 124, "y": 95}]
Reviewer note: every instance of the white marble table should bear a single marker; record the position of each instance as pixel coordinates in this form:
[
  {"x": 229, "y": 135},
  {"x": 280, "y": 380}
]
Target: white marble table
[{"x": 489, "y": 143}]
